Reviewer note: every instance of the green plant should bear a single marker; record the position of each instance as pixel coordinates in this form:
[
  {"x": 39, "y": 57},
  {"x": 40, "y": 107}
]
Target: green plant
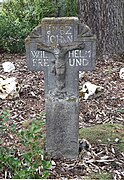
[
  {"x": 4, "y": 117},
  {"x": 109, "y": 70},
  {"x": 99, "y": 176},
  {"x": 18, "y": 18},
  {"x": 28, "y": 162},
  {"x": 66, "y": 7},
  {"x": 71, "y": 8},
  {"x": 120, "y": 111},
  {"x": 12, "y": 34},
  {"x": 105, "y": 133}
]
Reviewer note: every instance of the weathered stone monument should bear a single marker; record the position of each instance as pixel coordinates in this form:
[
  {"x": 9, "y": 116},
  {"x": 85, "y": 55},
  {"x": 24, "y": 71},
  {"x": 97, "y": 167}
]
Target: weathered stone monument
[{"x": 61, "y": 47}]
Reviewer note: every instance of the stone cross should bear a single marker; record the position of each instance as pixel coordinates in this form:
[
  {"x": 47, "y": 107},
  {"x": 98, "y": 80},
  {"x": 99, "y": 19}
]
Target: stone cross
[{"x": 61, "y": 47}]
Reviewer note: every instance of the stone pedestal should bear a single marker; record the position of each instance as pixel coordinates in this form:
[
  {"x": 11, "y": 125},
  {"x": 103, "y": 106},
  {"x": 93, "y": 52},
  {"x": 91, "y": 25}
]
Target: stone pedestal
[{"x": 62, "y": 127}]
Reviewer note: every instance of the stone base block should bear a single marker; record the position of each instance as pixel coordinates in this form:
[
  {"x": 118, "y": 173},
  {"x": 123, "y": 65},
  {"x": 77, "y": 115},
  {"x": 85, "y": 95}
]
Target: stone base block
[{"x": 62, "y": 127}]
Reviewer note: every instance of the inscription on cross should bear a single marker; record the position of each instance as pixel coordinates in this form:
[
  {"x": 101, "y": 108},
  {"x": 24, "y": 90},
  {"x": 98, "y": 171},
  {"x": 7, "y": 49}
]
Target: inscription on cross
[{"x": 61, "y": 47}]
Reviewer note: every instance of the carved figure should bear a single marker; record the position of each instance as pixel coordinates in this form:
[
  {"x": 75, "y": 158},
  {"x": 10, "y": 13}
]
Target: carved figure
[{"x": 59, "y": 67}]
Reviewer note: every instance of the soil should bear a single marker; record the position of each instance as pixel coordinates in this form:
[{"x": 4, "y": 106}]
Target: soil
[{"x": 105, "y": 107}]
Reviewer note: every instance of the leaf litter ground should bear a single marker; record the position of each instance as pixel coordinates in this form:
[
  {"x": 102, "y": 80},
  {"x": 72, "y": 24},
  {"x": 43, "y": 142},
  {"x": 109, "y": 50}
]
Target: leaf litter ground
[{"x": 108, "y": 107}]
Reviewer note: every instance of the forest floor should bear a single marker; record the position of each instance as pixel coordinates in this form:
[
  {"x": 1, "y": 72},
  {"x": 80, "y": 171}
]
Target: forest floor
[{"x": 100, "y": 116}]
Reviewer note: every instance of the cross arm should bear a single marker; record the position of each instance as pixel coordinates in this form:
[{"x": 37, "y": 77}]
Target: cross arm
[
  {"x": 41, "y": 46},
  {"x": 71, "y": 46},
  {"x": 63, "y": 49}
]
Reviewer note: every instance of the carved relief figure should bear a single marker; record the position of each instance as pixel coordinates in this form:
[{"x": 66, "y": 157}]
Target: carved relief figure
[{"x": 59, "y": 67}]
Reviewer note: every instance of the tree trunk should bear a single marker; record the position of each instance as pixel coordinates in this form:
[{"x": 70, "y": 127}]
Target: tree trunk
[{"x": 106, "y": 20}]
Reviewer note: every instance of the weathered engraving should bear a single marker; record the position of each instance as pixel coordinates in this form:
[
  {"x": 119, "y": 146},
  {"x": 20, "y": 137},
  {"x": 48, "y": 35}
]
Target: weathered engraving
[
  {"x": 39, "y": 58},
  {"x": 61, "y": 47},
  {"x": 59, "y": 34}
]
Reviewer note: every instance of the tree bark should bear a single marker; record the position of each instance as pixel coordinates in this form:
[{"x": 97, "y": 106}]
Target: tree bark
[{"x": 106, "y": 20}]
